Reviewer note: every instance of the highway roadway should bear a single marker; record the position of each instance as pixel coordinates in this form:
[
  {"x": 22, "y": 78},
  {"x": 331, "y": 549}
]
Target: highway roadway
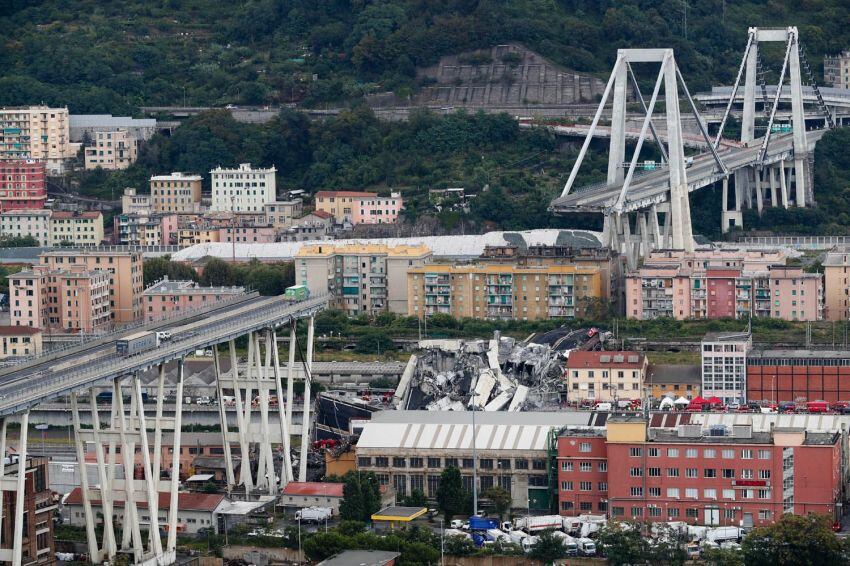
[
  {"x": 23, "y": 387},
  {"x": 652, "y": 187}
]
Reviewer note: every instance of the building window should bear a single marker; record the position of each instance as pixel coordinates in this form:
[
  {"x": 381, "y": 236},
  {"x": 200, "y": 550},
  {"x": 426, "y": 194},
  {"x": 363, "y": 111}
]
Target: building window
[
  {"x": 764, "y": 474},
  {"x": 654, "y": 491},
  {"x": 585, "y": 486},
  {"x": 566, "y": 505},
  {"x": 603, "y": 466},
  {"x": 433, "y": 462},
  {"x": 673, "y": 492},
  {"x": 467, "y": 462},
  {"x": 586, "y": 506},
  {"x": 691, "y": 453},
  {"x": 709, "y": 493},
  {"x": 691, "y": 473},
  {"x": 521, "y": 464},
  {"x": 566, "y": 486},
  {"x": 637, "y": 512},
  {"x": 451, "y": 463},
  {"x": 585, "y": 466},
  {"x": 566, "y": 466},
  {"x": 636, "y": 472},
  {"x": 672, "y": 452},
  {"x": 364, "y": 461},
  {"x": 539, "y": 464},
  {"x": 654, "y": 511},
  {"x": 602, "y": 486},
  {"x": 654, "y": 472},
  {"x": 653, "y": 452},
  {"x": 382, "y": 461},
  {"x": 485, "y": 463},
  {"x": 636, "y": 491},
  {"x": 709, "y": 473},
  {"x": 764, "y": 454},
  {"x": 728, "y": 473},
  {"x": 399, "y": 462},
  {"x": 635, "y": 452},
  {"x": 728, "y": 454},
  {"x": 673, "y": 512},
  {"x": 691, "y": 513},
  {"x": 691, "y": 492},
  {"x": 617, "y": 511},
  {"x": 584, "y": 447},
  {"x": 672, "y": 472},
  {"x": 746, "y": 454}
]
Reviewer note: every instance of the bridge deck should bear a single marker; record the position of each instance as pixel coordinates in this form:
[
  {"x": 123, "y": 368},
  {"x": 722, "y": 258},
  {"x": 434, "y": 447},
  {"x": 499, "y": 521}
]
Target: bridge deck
[
  {"x": 23, "y": 388},
  {"x": 652, "y": 187}
]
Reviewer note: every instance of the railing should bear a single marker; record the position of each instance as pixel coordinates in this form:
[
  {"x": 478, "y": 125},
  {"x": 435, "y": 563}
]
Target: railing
[
  {"x": 88, "y": 338},
  {"x": 97, "y": 371}
]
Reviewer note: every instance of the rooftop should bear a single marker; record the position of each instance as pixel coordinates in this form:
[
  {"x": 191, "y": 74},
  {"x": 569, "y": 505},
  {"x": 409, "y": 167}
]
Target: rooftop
[
  {"x": 168, "y": 287},
  {"x": 175, "y": 176},
  {"x": 467, "y": 247},
  {"x": 345, "y": 194},
  {"x": 27, "y": 212},
  {"x": 19, "y": 331},
  {"x": 399, "y": 513},
  {"x": 726, "y": 337},
  {"x": 65, "y": 215},
  {"x": 621, "y": 360},
  {"x": 801, "y": 354},
  {"x": 670, "y": 374},
  {"x": 360, "y": 558},
  {"x": 244, "y": 168},
  {"x": 109, "y": 121},
  {"x": 400, "y": 250},
  {"x": 185, "y": 501},
  {"x": 330, "y": 489}
]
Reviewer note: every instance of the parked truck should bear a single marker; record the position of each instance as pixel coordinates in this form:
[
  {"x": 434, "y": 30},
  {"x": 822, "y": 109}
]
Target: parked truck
[
  {"x": 482, "y": 523},
  {"x": 570, "y": 544},
  {"x": 541, "y": 523},
  {"x": 314, "y": 514},
  {"x": 496, "y": 535},
  {"x": 136, "y": 343},
  {"x": 586, "y": 547}
]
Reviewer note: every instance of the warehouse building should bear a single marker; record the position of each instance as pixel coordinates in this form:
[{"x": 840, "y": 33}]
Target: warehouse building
[{"x": 410, "y": 449}]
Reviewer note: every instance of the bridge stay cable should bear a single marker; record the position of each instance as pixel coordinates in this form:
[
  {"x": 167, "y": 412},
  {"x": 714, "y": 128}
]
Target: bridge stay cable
[
  {"x": 592, "y": 130},
  {"x": 636, "y": 87},
  {"x": 700, "y": 124},
  {"x": 726, "y": 114},
  {"x": 766, "y": 141},
  {"x": 618, "y": 207}
]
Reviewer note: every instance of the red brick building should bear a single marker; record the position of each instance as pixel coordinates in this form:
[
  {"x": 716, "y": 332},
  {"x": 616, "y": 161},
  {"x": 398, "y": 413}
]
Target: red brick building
[
  {"x": 789, "y": 375},
  {"x": 721, "y": 292},
  {"x": 702, "y": 476},
  {"x": 22, "y": 185},
  {"x": 37, "y": 541}
]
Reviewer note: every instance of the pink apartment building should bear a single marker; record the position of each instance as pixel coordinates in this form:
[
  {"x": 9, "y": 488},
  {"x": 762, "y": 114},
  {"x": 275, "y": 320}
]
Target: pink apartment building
[
  {"x": 166, "y": 298},
  {"x": 735, "y": 287},
  {"x": 67, "y": 300},
  {"x": 360, "y": 207}
]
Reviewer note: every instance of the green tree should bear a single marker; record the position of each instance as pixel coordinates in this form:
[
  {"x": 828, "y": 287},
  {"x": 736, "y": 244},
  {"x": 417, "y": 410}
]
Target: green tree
[
  {"x": 794, "y": 539},
  {"x": 361, "y": 497},
  {"x": 549, "y": 548},
  {"x": 374, "y": 341},
  {"x": 450, "y": 494},
  {"x": 500, "y": 498},
  {"x": 156, "y": 268},
  {"x": 623, "y": 544},
  {"x": 17, "y": 241},
  {"x": 218, "y": 273},
  {"x": 415, "y": 499},
  {"x": 722, "y": 557}
]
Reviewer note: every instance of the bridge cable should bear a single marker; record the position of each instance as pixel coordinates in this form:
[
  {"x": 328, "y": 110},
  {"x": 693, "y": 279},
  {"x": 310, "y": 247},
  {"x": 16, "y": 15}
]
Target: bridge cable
[
  {"x": 699, "y": 122},
  {"x": 645, "y": 110},
  {"x": 823, "y": 107},
  {"x": 760, "y": 75},
  {"x": 766, "y": 141},
  {"x": 750, "y": 41}
]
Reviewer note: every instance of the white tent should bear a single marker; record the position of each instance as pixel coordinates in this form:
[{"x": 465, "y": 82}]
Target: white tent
[
  {"x": 666, "y": 403},
  {"x": 682, "y": 401}
]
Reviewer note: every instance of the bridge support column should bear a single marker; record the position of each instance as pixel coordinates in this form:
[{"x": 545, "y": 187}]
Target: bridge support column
[
  {"x": 127, "y": 429},
  {"x": 225, "y": 428},
  {"x": 305, "y": 422},
  {"x": 758, "y": 187},
  {"x": 14, "y": 483},
  {"x": 286, "y": 458},
  {"x": 783, "y": 184}
]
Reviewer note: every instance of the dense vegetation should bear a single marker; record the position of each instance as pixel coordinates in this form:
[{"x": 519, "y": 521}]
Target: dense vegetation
[
  {"x": 355, "y": 150},
  {"x": 116, "y": 56},
  {"x": 265, "y": 278}
]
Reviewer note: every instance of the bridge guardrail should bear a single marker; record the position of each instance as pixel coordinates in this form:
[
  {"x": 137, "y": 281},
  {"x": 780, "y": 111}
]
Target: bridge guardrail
[{"x": 80, "y": 378}]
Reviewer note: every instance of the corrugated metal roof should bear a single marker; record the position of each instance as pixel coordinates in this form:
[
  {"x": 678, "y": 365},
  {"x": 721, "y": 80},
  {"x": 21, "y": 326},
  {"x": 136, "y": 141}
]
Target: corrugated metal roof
[
  {"x": 441, "y": 246},
  {"x": 761, "y": 423},
  {"x": 436, "y": 430}
]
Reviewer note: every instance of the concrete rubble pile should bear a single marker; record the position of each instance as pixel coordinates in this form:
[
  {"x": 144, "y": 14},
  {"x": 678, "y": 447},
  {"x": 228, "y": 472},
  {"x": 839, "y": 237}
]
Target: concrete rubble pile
[{"x": 496, "y": 375}]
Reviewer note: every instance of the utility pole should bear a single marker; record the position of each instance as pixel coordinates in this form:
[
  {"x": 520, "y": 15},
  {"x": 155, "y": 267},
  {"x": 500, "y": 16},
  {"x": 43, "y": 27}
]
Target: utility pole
[{"x": 474, "y": 461}]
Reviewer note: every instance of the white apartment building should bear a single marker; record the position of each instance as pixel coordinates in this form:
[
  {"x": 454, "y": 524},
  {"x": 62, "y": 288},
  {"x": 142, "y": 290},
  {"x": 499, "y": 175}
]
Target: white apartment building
[
  {"x": 111, "y": 150},
  {"x": 243, "y": 189},
  {"x": 724, "y": 365},
  {"x": 37, "y": 132},
  {"x": 35, "y": 223},
  {"x": 133, "y": 202}
]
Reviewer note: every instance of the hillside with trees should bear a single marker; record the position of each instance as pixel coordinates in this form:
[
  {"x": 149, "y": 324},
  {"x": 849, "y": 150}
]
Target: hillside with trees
[{"x": 115, "y": 56}]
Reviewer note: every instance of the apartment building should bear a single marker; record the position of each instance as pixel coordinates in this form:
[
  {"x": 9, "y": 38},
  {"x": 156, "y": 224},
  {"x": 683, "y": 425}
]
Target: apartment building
[
  {"x": 132, "y": 202},
  {"x": 111, "y": 150},
  {"x": 540, "y": 255},
  {"x": 355, "y": 207},
  {"x": 125, "y": 276},
  {"x": 244, "y": 189},
  {"x": 281, "y": 214},
  {"x": 166, "y": 298},
  {"x": 22, "y": 185},
  {"x": 317, "y": 225},
  {"x": 176, "y": 192},
  {"x": 836, "y": 265},
  {"x": 362, "y": 278},
  {"x": 715, "y": 476},
  {"x": 76, "y": 228},
  {"x": 724, "y": 365},
  {"x": 38, "y": 133},
  {"x": 70, "y": 300},
  {"x": 247, "y": 233},
  {"x": 728, "y": 288},
  {"x": 503, "y": 291},
  {"x": 605, "y": 376},
  {"x": 20, "y": 223},
  {"x": 37, "y": 542},
  {"x": 197, "y": 234},
  {"x": 836, "y": 70},
  {"x": 145, "y": 229},
  {"x": 674, "y": 380},
  {"x": 20, "y": 341}
]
